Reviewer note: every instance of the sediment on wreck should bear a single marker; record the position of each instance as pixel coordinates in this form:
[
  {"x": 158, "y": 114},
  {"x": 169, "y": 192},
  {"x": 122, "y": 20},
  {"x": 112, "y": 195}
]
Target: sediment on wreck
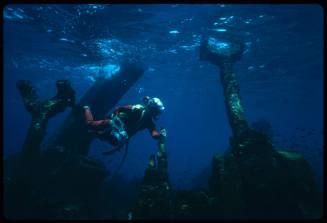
[
  {"x": 41, "y": 112},
  {"x": 155, "y": 194},
  {"x": 102, "y": 96},
  {"x": 60, "y": 181},
  {"x": 253, "y": 180},
  {"x": 25, "y": 173}
]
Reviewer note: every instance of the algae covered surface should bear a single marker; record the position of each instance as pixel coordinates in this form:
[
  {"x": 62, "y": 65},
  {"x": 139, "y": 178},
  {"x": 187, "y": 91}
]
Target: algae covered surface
[{"x": 243, "y": 95}]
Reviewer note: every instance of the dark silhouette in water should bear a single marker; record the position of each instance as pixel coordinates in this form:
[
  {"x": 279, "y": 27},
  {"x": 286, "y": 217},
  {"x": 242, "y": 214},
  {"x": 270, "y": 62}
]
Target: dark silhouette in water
[
  {"x": 264, "y": 127},
  {"x": 252, "y": 180},
  {"x": 61, "y": 181},
  {"x": 224, "y": 54},
  {"x": 41, "y": 112},
  {"x": 154, "y": 199},
  {"x": 25, "y": 176},
  {"x": 101, "y": 97}
]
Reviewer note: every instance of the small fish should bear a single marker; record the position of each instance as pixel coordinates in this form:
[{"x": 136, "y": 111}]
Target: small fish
[
  {"x": 130, "y": 216},
  {"x": 172, "y": 51},
  {"x": 219, "y": 30},
  {"x": 174, "y": 32}
]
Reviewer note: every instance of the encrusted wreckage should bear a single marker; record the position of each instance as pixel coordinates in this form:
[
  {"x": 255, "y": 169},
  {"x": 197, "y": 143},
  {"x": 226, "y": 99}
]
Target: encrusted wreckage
[
  {"x": 58, "y": 180},
  {"x": 252, "y": 180}
]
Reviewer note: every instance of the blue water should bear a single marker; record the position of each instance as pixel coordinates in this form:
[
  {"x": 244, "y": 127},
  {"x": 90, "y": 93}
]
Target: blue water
[{"x": 280, "y": 74}]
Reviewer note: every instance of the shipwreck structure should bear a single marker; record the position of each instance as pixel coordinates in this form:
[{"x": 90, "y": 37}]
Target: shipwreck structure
[
  {"x": 103, "y": 95},
  {"x": 155, "y": 194},
  {"x": 253, "y": 180},
  {"x": 58, "y": 180},
  {"x": 41, "y": 112}
]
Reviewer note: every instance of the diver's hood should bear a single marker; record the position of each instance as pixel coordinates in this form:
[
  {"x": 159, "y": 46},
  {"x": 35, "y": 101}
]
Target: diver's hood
[
  {"x": 154, "y": 105},
  {"x": 157, "y": 103}
]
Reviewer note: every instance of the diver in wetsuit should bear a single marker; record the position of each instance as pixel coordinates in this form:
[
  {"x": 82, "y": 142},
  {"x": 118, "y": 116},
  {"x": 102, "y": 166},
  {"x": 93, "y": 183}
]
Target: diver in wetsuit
[{"x": 127, "y": 121}]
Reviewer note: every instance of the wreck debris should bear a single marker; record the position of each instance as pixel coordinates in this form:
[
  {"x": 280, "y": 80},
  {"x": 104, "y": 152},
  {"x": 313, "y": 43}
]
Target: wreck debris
[
  {"x": 253, "y": 180},
  {"x": 224, "y": 53},
  {"x": 154, "y": 200},
  {"x": 101, "y": 96},
  {"x": 41, "y": 112}
]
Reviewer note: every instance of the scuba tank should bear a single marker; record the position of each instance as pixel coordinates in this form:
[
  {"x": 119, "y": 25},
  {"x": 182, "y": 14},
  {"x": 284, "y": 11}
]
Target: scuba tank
[{"x": 118, "y": 130}]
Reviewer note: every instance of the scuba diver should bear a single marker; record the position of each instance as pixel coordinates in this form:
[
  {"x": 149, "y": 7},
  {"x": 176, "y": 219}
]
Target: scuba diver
[{"x": 126, "y": 121}]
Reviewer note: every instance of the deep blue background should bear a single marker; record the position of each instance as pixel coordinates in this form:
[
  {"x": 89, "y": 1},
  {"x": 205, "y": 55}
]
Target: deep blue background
[{"x": 280, "y": 74}]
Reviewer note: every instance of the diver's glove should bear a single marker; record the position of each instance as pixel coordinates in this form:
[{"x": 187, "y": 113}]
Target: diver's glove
[{"x": 163, "y": 135}]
